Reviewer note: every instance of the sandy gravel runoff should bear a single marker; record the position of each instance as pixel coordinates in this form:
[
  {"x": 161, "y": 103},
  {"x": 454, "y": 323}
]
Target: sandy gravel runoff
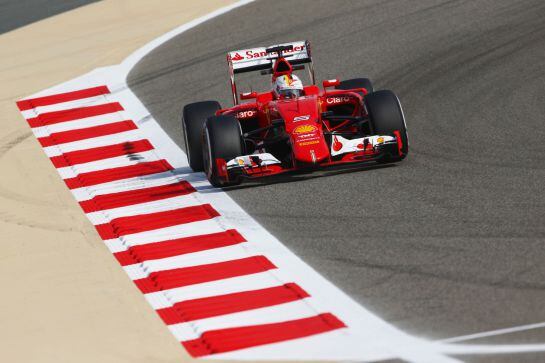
[{"x": 65, "y": 299}]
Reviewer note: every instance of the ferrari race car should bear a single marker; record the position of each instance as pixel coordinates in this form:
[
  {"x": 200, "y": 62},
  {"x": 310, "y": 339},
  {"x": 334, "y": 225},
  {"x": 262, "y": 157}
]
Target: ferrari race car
[{"x": 345, "y": 122}]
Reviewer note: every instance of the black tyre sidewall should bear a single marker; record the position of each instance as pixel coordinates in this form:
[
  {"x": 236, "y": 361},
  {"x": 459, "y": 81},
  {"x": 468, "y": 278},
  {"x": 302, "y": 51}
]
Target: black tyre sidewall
[
  {"x": 222, "y": 139},
  {"x": 386, "y": 116},
  {"x": 356, "y": 83},
  {"x": 194, "y": 116}
]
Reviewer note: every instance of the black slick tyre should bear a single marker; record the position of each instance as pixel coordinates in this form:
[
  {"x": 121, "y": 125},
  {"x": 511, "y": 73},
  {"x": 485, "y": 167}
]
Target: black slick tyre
[
  {"x": 386, "y": 118},
  {"x": 194, "y": 116},
  {"x": 222, "y": 139},
  {"x": 356, "y": 83}
]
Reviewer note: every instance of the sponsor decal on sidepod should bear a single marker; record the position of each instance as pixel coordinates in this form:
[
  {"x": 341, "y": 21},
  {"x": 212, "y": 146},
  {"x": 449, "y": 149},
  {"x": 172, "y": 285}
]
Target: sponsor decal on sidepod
[
  {"x": 335, "y": 100},
  {"x": 246, "y": 114}
]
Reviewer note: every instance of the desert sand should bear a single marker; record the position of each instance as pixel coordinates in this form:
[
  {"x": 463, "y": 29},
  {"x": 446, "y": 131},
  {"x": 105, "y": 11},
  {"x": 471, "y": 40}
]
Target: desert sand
[{"x": 65, "y": 298}]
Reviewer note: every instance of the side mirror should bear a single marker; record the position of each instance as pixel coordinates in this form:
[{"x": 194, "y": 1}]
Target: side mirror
[
  {"x": 248, "y": 95},
  {"x": 331, "y": 83}
]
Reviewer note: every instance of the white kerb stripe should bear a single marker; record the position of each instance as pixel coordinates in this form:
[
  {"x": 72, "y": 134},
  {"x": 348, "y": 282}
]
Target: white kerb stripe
[
  {"x": 261, "y": 280},
  {"x": 106, "y": 216},
  {"x": 222, "y": 254},
  {"x": 169, "y": 233},
  {"x": 78, "y": 124},
  {"x": 82, "y": 102},
  {"x": 125, "y": 185},
  {"x": 299, "y": 309},
  {"x": 126, "y": 136},
  {"x": 115, "y": 162}
]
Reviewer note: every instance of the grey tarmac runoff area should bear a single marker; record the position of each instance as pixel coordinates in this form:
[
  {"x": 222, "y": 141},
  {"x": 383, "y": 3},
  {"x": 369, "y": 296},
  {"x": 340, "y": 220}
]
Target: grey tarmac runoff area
[
  {"x": 18, "y": 13},
  {"x": 452, "y": 240}
]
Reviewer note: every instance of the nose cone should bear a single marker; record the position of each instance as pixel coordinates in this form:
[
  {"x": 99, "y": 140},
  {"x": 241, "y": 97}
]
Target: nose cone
[
  {"x": 308, "y": 143},
  {"x": 302, "y": 124}
]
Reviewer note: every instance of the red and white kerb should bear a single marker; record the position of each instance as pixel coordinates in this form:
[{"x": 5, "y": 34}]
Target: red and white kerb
[{"x": 199, "y": 274}]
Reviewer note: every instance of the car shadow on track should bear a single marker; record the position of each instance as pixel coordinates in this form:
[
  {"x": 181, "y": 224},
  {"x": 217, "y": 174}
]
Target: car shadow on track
[{"x": 296, "y": 177}]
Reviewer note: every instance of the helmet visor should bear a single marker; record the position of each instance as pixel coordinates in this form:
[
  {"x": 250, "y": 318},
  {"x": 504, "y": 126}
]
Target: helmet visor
[{"x": 290, "y": 93}]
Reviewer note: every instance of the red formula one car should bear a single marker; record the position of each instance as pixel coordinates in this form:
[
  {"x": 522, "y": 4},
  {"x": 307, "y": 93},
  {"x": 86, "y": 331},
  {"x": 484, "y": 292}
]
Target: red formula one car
[{"x": 275, "y": 132}]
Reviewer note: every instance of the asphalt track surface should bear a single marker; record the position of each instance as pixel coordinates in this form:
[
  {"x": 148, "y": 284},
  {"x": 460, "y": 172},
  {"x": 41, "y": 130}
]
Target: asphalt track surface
[
  {"x": 18, "y": 13},
  {"x": 452, "y": 240}
]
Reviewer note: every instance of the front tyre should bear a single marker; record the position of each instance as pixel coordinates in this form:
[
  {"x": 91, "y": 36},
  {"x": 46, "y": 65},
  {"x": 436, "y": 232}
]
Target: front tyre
[
  {"x": 194, "y": 116},
  {"x": 386, "y": 117},
  {"x": 222, "y": 140}
]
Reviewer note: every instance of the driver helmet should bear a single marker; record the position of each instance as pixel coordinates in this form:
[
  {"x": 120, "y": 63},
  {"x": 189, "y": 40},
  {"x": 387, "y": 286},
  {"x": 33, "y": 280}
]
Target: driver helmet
[{"x": 288, "y": 86}]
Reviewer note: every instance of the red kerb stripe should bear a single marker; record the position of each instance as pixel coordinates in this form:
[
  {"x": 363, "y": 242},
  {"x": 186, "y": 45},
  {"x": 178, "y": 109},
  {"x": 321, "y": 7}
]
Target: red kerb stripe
[
  {"x": 86, "y": 133},
  {"x": 61, "y": 97},
  {"x": 146, "y": 222},
  {"x": 123, "y": 172},
  {"x": 226, "y": 340},
  {"x": 169, "y": 279},
  {"x": 231, "y": 303},
  {"x": 100, "y": 153},
  {"x": 130, "y": 197},
  {"x": 179, "y": 246},
  {"x": 55, "y": 117}
]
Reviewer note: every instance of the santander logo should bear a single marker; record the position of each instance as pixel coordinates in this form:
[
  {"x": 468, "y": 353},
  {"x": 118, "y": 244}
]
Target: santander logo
[
  {"x": 237, "y": 57},
  {"x": 258, "y": 53}
]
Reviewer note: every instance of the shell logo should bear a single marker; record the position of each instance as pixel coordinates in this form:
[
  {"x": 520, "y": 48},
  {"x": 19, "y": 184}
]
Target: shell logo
[{"x": 304, "y": 129}]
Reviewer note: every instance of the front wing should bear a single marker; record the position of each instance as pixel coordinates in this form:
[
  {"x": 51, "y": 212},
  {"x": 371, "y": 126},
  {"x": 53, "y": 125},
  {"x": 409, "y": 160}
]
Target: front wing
[{"x": 343, "y": 151}]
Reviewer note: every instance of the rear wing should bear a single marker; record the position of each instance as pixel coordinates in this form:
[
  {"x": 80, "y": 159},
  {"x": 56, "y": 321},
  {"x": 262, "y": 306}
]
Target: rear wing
[{"x": 262, "y": 59}]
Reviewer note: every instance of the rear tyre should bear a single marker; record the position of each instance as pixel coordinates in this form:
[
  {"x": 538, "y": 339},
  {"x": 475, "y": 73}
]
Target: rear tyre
[
  {"x": 386, "y": 116},
  {"x": 356, "y": 83},
  {"x": 222, "y": 140},
  {"x": 194, "y": 116}
]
